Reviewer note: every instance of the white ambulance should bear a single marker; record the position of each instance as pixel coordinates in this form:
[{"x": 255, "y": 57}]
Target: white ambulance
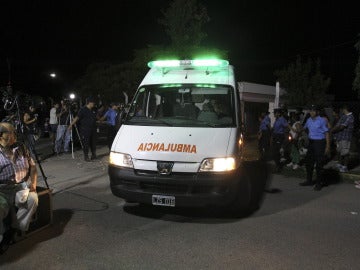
[{"x": 181, "y": 143}]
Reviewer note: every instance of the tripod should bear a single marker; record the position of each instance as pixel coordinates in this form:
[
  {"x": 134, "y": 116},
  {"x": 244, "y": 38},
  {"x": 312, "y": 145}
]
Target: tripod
[
  {"x": 67, "y": 135},
  {"x": 71, "y": 135},
  {"x": 8, "y": 106}
]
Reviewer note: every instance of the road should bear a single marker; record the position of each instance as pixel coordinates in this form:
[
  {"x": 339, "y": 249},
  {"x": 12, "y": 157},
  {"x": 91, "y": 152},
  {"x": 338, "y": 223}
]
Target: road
[{"x": 296, "y": 228}]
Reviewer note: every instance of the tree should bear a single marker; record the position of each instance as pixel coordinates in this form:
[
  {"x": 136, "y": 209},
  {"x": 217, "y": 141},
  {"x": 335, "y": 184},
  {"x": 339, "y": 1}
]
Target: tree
[
  {"x": 183, "y": 21},
  {"x": 356, "y": 82},
  {"x": 109, "y": 81},
  {"x": 304, "y": 83}
]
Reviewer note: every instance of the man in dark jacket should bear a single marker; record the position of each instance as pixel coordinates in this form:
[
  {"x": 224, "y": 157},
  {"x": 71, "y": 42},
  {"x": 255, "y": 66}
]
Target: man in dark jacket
[{"x": 87, "y": 128}]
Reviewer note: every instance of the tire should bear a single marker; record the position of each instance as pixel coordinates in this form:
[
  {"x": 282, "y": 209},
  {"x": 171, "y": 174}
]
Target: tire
[{"x": 250, "y": 189}]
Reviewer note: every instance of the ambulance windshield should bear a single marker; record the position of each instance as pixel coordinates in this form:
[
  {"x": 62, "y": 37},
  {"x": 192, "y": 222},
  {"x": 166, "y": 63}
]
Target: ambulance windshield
[{"x": 183, "y": 105}]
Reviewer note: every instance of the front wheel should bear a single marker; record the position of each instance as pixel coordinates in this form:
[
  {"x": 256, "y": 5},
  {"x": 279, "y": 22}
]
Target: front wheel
[{"x": 250, "y": 188}]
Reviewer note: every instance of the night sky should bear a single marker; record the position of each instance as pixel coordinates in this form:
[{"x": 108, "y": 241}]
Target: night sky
[{"x": 39, "y": 37}]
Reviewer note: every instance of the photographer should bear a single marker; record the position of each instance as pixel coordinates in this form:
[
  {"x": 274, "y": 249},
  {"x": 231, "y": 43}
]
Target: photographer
[
  {"x": 87, "y": 120},
  {"x": 30, "y": 121},
  {"x": 63, "y": 134}
]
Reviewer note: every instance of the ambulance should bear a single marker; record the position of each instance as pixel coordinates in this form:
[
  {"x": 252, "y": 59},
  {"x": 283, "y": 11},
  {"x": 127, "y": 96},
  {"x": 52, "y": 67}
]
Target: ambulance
[{"x": 181, "y": 144}]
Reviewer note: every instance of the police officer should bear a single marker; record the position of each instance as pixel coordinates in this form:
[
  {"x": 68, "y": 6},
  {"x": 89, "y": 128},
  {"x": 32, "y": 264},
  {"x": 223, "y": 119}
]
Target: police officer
[
  {"x": 319, "y": 146},
  {"x": 110, "y": 117},
  {"x": 87, "y": 128},
  {"x": 264, "y": 135},
  {"x": 280, "y": 126}
]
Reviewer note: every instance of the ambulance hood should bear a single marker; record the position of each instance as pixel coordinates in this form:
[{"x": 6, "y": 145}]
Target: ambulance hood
[{"x": 179, "y": 144}]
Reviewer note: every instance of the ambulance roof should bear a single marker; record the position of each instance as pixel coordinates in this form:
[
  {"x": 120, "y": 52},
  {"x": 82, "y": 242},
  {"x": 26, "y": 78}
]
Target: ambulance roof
[{"x": 211, "y": 71}]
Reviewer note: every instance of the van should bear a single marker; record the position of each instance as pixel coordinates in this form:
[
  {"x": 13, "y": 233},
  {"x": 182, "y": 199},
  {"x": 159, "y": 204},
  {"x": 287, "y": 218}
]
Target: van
[{"x": 181, "y": 143}]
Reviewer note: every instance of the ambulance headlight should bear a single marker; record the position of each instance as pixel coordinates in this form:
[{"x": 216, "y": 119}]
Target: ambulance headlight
[
  {"x": 119, "y": 159},
  {"x": 218, "y": 164}
]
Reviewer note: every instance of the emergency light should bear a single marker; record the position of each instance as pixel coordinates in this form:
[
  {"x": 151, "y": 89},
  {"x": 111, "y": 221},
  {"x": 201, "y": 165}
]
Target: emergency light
[{"x": 189, "y": 63}]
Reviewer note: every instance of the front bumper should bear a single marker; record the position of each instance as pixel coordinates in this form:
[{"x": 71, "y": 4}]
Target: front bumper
[{"x": 189, "y": 189}]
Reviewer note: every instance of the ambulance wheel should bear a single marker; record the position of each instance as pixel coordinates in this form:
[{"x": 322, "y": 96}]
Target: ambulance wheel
[
  {"x": 259, "y": 173},
  {"x": 250, "y": 190}
]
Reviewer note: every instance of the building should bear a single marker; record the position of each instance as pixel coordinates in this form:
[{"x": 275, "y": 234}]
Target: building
[{"x": 255, "y": 99}]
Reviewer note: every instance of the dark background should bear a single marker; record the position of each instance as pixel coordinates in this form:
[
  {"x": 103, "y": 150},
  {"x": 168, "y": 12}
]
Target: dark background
[{"x": 40, "y": 37}]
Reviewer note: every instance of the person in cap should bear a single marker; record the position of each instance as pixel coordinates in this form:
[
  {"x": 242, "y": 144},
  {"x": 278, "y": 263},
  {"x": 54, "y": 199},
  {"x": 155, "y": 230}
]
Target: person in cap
[
  {"x": 264, "y": 135},
  {"x": 87, "y": 128},
  {"x": 318, "y": 148}
]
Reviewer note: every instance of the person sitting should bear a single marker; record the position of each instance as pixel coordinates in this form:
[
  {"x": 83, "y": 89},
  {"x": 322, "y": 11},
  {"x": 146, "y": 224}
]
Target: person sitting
[
  {"x": 186, "y": 108},
  {"x": 18, "y": 179},
  {"x": 207, "y": 114},
  {"x": 222, "y": 112}
]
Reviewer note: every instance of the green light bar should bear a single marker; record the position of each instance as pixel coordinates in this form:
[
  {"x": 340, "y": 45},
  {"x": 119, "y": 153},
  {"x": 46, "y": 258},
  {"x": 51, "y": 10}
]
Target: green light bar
[
  {"x": 164, "y": 63},
  {"x": 206, "y": 85},
  {"x": 170, "y": 85},
  {"x": 189, "y": 63},
  {"x": 210, "y": 63}
]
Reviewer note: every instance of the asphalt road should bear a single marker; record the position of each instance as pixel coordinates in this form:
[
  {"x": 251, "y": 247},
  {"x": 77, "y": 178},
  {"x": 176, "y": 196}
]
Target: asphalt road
[{"x": 296, "y": 228}]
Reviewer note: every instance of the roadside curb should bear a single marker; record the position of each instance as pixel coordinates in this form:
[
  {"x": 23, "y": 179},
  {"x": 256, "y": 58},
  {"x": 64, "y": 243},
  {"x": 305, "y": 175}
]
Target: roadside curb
[{"x": 348, "y": 177}]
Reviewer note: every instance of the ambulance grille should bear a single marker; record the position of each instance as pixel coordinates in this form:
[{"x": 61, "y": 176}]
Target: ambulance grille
[{"x": 164, "y": 188}]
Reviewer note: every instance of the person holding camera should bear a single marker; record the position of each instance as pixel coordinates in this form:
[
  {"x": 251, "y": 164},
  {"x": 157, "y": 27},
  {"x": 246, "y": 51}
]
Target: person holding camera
[
  {"x": 30, "y": 122},
  {"x": 87, "y": 128},
  {"x": 63, "y": 135}
]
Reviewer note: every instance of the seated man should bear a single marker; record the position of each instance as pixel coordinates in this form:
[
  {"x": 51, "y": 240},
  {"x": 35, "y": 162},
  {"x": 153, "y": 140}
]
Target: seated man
[
  {"x": 18, "y": 178},
  {"x": 222, "y": 112},
  {"x": 207, "y": 114},
  {"x": 185, "y": 107}
]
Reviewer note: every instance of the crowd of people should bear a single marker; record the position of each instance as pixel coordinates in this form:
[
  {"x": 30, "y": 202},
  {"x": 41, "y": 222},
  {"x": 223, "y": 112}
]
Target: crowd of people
[
  {"x": 65, "y": 122},
  {"x": 311, "y": 139},
  {"x": 18, "y": 174}
]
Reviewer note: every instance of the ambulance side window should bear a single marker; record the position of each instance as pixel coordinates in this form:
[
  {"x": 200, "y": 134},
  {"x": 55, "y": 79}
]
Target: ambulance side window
[{"x": 139, "y": 104}]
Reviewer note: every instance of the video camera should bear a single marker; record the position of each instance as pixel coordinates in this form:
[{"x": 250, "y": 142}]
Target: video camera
[{"x": 71, "y": 104}]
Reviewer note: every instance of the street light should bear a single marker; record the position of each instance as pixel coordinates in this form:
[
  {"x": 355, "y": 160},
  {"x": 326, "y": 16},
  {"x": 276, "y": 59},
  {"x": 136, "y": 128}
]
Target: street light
[
  {"x": 72, "y": 96},
  {"x": 53, "y": 75}
]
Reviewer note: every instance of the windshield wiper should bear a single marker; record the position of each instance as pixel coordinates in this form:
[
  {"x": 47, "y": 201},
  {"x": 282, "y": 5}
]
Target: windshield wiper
[
  {"x": 163, "y": 122},
  {"x": 209, "y": 124},
  {"x": 145, "y": 120}
]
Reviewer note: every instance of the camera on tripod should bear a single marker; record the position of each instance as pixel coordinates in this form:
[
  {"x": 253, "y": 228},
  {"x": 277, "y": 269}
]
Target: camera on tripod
[
  {"x": 71, "y": 105},
  {"x": 13, "y": 107}
]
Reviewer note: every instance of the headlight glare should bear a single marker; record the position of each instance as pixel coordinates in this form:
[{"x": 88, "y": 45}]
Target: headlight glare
[
  {"x": 218, "y": 164},
  {"x": 119, "y": 159}
]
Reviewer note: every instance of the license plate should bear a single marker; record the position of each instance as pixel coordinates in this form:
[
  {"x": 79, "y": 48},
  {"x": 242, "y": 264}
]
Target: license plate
[{"x": 163, "y": 200}]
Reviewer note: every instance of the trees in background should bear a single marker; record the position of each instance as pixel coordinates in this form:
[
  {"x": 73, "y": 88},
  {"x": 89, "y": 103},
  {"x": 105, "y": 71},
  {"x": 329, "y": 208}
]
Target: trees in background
[
  {"x": 304, "y": 83},
  {"x": 183, "y": 21},
  {"x": 109, "y": 81}
]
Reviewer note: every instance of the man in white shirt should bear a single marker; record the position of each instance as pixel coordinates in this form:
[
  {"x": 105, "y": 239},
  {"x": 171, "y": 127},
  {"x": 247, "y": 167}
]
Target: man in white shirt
[{"x": 53, "y": 121}]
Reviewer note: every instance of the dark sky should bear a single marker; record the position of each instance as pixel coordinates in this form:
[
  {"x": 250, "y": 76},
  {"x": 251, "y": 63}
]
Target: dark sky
[{"x": 40, "y": 37}]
